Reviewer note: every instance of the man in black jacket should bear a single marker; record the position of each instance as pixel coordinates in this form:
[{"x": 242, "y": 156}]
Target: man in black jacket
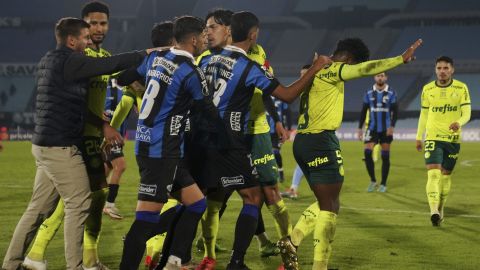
[{"x": 61, "y": 112}]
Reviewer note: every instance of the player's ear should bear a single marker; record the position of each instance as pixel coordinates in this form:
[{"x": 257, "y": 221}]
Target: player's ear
[{"x": 194, "y": 40}]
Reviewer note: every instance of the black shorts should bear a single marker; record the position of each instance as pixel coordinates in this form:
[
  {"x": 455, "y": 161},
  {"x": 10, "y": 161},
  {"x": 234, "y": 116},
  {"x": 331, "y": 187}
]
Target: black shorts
[
  {"x": 112, "y": 152},
  {"x": 276, "y": 144},
  {"x": 160, "y": 177},
  {"x": 229, "y": 169},
  {"x": 92, "y": 155},
  {"x": 375, "y": 137}
]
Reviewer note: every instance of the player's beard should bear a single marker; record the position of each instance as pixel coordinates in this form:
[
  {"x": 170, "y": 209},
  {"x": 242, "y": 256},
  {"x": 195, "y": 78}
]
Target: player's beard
[{"x": 98, "y": 42}]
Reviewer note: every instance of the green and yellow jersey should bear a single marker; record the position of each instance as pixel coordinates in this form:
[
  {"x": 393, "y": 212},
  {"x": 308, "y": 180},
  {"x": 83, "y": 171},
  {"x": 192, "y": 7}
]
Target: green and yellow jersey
[
  {"x": 257, "y": 122},
  {"x": 322, "y": 104},
  {"x": 130, "y": 97},
  {"x": 442, "y": 106},
  {"x": 97, "y": 91}
]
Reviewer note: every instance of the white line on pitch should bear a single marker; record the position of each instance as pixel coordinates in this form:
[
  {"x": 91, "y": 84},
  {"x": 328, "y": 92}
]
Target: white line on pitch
[{"x": 399, "y": 211}]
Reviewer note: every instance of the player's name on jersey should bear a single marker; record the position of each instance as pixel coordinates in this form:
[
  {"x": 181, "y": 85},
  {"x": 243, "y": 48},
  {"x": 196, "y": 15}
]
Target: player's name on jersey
[
  {"x": 223, "y": 73},
  {"x": 160, "y": 75}
]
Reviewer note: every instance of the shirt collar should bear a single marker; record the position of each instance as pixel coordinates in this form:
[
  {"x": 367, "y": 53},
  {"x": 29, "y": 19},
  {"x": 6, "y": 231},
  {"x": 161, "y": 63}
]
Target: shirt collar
[
  {"x": 236, "y": 49},
  {"x": 379, "y": 90},
  {"x": 182, "y": 52}
]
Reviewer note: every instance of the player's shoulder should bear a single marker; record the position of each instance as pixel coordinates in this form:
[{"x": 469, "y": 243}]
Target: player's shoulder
[
  {"x": 430, "y": 86},
  {"x": 257, "y": 54},
  {"x": 458, "y": 84}
]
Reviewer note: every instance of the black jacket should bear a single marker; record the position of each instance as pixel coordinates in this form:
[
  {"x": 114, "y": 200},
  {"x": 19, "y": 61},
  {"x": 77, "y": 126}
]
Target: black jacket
[{"x": 61, "y": 85}]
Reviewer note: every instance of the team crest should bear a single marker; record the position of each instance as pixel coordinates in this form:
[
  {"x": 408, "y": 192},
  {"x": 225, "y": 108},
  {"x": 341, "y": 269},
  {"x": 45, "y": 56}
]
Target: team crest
[{"x": 427, "y": 154}]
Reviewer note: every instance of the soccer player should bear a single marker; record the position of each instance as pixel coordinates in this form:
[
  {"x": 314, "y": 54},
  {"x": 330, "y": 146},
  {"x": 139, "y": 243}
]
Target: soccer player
[
  {"x": 174, "y": 85},
  {"x": 317, "y": 150},
  {"x": 234, "y": 77},
  {"x": 381, "y": 104},
  {"x": 161, "y": 36},
  {"x": 61, "y": 173},
  {"x": 218, "y": 31},
  {"x": 445, "y": 109}
]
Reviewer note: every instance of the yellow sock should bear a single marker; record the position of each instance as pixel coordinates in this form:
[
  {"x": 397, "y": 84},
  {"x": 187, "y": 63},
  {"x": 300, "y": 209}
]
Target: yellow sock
[
  {"x": 157, "y": 247},
  {"x": 210, "y": 221},
  {"x": 306, "y": 224},
  {"x": 433, "y": 190},
  {"x": 93, "y": 226},
  {"x": 376, "y": 152},
  {"x": 446, "y": 183},
  {"x": 282, "y": 220},
  {"x": 323, "y": 238},
  {"x": 46, "y": 232}
]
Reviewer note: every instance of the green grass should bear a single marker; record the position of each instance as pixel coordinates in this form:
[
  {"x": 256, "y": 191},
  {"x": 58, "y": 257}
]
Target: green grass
[{"x": 374, "y": 231}]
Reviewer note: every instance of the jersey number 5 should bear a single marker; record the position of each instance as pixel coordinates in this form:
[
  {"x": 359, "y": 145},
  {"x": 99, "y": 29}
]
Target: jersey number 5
[{"x": 149, "y": 99}]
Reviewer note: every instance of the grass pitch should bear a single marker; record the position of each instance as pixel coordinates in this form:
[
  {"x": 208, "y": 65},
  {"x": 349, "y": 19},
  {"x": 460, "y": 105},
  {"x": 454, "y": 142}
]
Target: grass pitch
[{"x": 374, "y": 230}]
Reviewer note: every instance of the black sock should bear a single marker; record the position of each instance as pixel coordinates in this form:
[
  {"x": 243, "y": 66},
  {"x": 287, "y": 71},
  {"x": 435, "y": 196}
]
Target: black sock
[
  {"x": 135, "y": 243},
  {"x": 167, "y": 243},
  {"x": 112, "y": 192},
  {"x": 224, "y": 206},
  {"x": 244, "y": 231},
  {"x": 369, "y": 164},
  {"x": 166, "y": 219},
  {"x": 260, "y": 224},
  {"x": 186, "y": 229},
  {"x": 220, "y": 213},
  {"x": 385, "y": 166}
]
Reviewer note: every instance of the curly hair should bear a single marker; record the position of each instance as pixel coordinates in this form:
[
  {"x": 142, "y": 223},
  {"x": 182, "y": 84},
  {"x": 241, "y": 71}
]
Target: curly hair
[{"x": 355, "y": 47}]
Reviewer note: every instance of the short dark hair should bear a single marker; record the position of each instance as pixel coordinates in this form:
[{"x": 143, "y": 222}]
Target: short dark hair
[
  {"x": 69, "y": 26},
  {"x": 220, "y": 16},
  {"x": 186, "y": 25},
  {"x": 355, "y": 47},
  {"x": 444, "y": 58},
  {"x": 242, "y": 23},
  {"x": 95, "y": 6},
  {"x": 307, "y": 66},
  {"x": 162, "y": 34}
]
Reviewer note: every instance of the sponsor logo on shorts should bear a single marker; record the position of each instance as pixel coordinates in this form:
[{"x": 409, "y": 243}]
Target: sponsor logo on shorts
[
  {"x": 143, "y": 133},
  {"x": 232, "y": 180},
  {"x": 175, "y": 125},
  {"x": 264, "y": 159},
  {"x": 235, "y": 120},
  {"x": 116, "y": 149},
  {"x": 454, "y": 156},
  {"x": 149, "y": 190},
  {"x": 317, "y": 161}
]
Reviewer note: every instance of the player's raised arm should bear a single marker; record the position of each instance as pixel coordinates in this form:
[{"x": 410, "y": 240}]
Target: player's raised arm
[
  {"x": 291, "y": 92},
  {"x": 370, "y": 68}
]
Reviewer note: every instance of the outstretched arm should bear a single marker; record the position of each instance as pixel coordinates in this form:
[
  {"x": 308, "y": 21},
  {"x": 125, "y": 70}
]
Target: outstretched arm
[{"x": 369, "y": 68}]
